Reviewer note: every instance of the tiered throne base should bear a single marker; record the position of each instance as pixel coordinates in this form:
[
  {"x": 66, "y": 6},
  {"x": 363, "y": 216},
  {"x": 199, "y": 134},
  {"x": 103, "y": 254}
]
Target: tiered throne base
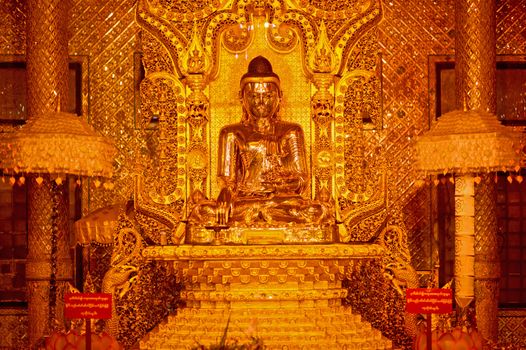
[{"x": 289, "y": 296}]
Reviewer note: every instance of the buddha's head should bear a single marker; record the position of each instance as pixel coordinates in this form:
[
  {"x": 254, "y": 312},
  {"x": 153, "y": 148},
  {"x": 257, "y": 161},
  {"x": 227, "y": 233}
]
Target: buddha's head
[{"x": 260, "y": 91}]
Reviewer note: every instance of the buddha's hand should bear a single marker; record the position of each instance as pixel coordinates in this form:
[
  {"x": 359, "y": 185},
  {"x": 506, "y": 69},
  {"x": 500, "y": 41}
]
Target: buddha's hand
[{"x": 224, "y": 206}]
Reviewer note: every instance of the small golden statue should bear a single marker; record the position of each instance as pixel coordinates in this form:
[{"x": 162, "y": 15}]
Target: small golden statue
[{"x": 262, "y": 166}]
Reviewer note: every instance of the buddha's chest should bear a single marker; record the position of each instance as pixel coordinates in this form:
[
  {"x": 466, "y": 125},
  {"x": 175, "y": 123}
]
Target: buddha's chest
[{"x": 261, "y": 153}]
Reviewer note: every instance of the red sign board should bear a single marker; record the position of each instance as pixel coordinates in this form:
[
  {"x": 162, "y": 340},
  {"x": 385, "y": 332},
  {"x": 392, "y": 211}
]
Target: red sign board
[
  {"x": 429, "y": 301},
  {"x": 87, "y": 305}
]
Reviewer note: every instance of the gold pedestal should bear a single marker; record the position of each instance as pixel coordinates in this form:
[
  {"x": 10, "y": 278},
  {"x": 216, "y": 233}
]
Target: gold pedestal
[
  {"x": 287, "y": 295},
  {"x": 294, "y": 234}
]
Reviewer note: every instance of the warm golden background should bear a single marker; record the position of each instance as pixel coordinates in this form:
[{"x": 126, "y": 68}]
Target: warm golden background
[{"x": 106, "y": 40}]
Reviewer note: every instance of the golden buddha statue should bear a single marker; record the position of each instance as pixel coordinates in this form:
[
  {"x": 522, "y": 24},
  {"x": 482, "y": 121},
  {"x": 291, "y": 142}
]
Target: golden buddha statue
[{"x": 262, "y": 166}]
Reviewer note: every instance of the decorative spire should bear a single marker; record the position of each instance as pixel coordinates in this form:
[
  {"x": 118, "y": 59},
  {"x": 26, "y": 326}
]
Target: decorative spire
[
  {"x": 323, "y": 59},
  {"x": 196, "y": 60}
]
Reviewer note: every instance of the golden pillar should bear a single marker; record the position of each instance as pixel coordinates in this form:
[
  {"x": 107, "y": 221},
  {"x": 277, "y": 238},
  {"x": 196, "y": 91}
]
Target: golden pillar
[
  {"x": 464, "y": 239},
  {"x": 48, "y": 260},
  {"x": 322, "y": 103},
  {"x": 196, "y": 61},
  {"x": 38, "y": 267},
  {"x": 197, "y": 117},
  {"x": 476, "y": 90},
  {"x": 323, "y": 64},
  {"x": 475, "y": 55},
  {"x": 46, "y": 56},
  {"x": 487, "y": 258}
]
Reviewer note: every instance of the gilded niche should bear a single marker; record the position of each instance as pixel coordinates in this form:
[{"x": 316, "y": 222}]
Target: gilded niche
[
  {"x": 327, "y": 39},
  {"x": 262, "y": 166}
]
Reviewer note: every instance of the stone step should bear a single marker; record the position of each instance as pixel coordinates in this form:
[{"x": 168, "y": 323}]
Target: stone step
[
  {"x": 318, "y": 344},
  {"x": 335, "y": 310},
  {"x": 292, "y": 316},
  {"x": 324, "y": 328},
  {"x": 216, "y": 333},
  {"x": 346, "y": 321},
  {"x": 305, "y": 327}
]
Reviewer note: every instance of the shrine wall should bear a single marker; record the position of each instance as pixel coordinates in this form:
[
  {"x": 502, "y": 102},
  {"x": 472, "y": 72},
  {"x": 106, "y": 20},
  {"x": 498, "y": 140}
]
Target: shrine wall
[
  {"x": 106, "y": 32},
  {"x": 408, "y": 34}
]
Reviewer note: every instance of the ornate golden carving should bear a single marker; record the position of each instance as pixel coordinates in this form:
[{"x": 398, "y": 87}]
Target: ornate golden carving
[
  {"x": 333, "y": 251},
  {"x": 341, "y": 329},
  {"x": 197, "y": 117},
  {"x": 295, "y": 281},
  {"x": 38, "y": 309},
  {"x": 13, "y": 27},
  {"x": 144, "y": 293},
  {"x": 281, "y": 25},
  {"x": 512, "y": 329},
  {"x": 108, "y": 37},
  {"x": 48, "y": 260},
  {"x": 487, "y": 257},
  {"x": 195, "y": 60},
  {"x": 151, "y": 48},
  {"x": 14, "y": 328},
  {"x": 322, "y": 103},
  {"x": 118, "y": 279},
  {"x": 46, "y": 37},
  {"x": 475, "y": 55},
  {"x": 323, "y": 59},
  {"x": 401, "y": 273},
  {"x": 475, "y": 80},
  {"x": 162, "y": 195},
  {"x": 284, "y": 27},
  {"x": 377, "y": 302},
  {"x": 236, "y": 38}
]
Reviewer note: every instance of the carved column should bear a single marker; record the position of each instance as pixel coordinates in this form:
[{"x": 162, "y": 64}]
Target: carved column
[
  {"x": 46, "y": 56},
  {"x": 197, "y": 105},
  {"x": 322, "y": 105},
  {"x": 464, "y": 239},
  {"x": 476, "y": 90},
  {"x": 475, "y": 55},
  {"x": 323, "y": 62},
  {"x": 195, "y": 64},
  {"x": 487, "y": 258},
  {"x": 47, "y": 78},
  {"x": 38, "y": 266}
]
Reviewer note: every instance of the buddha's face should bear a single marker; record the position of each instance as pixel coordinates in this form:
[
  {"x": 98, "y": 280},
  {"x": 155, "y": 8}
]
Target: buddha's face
[{"x": 261, "y": 100}]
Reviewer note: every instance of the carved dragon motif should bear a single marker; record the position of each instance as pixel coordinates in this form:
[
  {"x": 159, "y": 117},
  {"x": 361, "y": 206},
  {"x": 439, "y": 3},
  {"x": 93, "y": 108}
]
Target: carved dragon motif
[
  {"x": 118, "y": 279},
  {"x": 400, "y": 271}
]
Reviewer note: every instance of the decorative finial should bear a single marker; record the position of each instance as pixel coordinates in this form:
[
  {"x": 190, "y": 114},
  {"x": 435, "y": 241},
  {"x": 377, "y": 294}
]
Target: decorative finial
[
  {"x": 196, "y": 60},
  {"x": 323, "y": 59}
]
